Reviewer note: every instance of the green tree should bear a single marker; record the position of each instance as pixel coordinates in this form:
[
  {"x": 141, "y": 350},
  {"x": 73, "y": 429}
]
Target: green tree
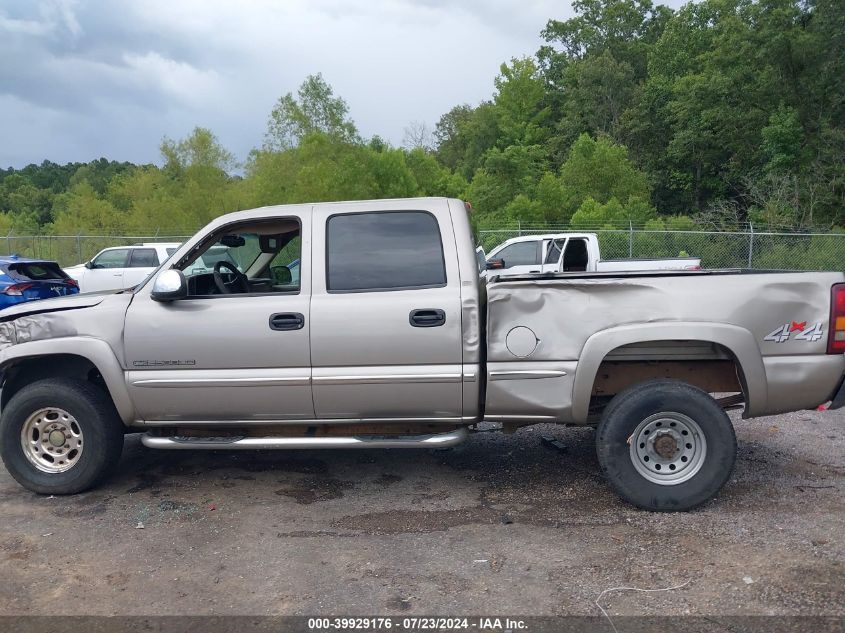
[
  {"x": 314, "y": 109},
  {"x": 200, "y": 149},
  {"x": 80, "y": 209},
  {"x": 600, "y": 170},
  {"x": 519, "y": 104},
  {"x": 464, "y": 135},
  {"x": 782, "y": 139},
  {"x": 505, "y": 175}
]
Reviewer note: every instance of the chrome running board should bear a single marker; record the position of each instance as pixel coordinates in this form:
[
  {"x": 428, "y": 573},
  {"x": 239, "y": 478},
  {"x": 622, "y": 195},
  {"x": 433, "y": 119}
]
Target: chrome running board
[{"x": 439, "y": 440}]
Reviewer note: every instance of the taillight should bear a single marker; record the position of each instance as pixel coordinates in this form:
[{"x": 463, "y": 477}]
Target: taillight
[
  {"x": 836, "y": 337},
  {"x": 16, "y": 290},
  {"x": 72, "y": 282}
]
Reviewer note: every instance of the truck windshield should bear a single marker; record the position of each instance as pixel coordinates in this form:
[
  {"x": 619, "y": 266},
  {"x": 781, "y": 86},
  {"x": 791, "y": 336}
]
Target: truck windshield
[{"x": 241, "y": 253}]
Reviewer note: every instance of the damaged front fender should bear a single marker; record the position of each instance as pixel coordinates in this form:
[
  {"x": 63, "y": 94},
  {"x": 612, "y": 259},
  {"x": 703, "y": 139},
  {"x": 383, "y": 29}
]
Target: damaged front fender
[
  {"x": 35, "y": 327},
  {"x": 65, "y": 327}
]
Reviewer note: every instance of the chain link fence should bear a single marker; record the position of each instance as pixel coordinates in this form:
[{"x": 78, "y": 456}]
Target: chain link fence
[{"x": 717, "y": 249}]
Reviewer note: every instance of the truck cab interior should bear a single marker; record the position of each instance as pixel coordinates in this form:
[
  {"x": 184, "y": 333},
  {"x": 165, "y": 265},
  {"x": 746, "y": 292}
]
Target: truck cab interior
[
  {"x": 249, "y": 258},
  {"x": 575, "y": 257}
]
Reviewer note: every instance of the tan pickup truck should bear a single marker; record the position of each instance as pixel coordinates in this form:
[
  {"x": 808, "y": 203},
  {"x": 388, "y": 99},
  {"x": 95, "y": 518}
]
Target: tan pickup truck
[{"x": 386, "y": 336}]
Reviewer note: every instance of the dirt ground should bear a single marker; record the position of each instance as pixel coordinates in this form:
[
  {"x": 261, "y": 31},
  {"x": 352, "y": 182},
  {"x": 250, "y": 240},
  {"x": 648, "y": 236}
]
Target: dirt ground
[{"x": 501, "y": 524}]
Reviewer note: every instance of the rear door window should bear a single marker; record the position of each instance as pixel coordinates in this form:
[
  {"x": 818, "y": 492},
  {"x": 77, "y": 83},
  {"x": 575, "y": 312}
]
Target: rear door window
[
  {"x": 143, "y": 258},
  {"x": 384, "y": 251}
]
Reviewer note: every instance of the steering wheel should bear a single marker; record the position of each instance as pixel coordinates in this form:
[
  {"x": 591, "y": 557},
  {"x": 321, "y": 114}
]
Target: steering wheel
[{"x": 240, "y": 281}]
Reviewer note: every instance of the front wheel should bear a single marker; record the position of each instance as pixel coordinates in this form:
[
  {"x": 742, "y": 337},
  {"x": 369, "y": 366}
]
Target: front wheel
[
  {"x": 60, "y": 436},
  {"x": 665, "y": 445}
]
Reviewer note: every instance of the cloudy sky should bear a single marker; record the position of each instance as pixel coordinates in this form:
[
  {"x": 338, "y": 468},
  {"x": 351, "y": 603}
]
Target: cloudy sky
[{"x": 90, "y": 78}]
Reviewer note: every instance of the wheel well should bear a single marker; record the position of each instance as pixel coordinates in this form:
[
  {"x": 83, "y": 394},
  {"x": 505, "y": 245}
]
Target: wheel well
[
  {"x": 703, "y": 364},
  {"x": 25, "y": 371}
]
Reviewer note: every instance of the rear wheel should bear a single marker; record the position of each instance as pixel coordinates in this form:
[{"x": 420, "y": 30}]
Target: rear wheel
[
  {"x": 665, "y": 445},
  {"x": 60, "y": 436}
]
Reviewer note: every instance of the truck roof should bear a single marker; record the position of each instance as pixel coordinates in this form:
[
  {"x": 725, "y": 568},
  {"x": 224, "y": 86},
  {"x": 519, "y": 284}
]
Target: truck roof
[{"x": 549, "y": 236}]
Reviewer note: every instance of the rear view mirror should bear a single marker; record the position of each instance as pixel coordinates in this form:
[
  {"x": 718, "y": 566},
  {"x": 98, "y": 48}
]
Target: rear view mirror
[
  {"x": 270, "y": 243},
  {"x": 495, "y": 264},
  {"x": 232, "y": 241},
  {"x": 89, "y": 265},
  {"x": 169, "y": 286}
]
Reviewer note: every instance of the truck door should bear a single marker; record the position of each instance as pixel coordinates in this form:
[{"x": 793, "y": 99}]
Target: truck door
[
  {"x": 238, "y": 353},
  {"x": 554, "y": 249},
  {"x": 521, "y": 257},
  {"x": 106, "y": 271},
  {"x": 385, "y": 313},
  {"x": 142, "y": 261},
  {"x": 575, "y": 256}
]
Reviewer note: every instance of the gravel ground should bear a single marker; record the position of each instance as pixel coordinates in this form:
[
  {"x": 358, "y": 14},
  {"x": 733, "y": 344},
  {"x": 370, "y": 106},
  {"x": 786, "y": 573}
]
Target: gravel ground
[{"x": 501, "y": 524}]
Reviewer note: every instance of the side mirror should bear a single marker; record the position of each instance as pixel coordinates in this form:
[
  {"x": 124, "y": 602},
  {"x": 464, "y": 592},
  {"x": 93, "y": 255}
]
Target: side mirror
[
  {"x": 495, "y": 264},
  {"x": 89, "y": 265},
  {"x": 169, "y": 286},
  {"x": 281, "y": 275}
]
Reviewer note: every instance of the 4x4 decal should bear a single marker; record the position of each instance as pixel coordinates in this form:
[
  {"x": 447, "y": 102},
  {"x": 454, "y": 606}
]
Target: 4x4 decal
[{"x": 805, "y": 332}]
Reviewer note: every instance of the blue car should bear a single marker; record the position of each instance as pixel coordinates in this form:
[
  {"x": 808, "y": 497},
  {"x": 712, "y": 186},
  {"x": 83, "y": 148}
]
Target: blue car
[{"x": 24, "y": 280}]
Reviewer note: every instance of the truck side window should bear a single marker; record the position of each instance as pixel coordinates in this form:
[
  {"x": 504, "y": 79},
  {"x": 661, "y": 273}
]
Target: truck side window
[
  {"x": 143, "y": 258},
  {"x": 575, "y": 258},
  {"x": 553, "y": 255},
  {"x": 384, "y": 251},
  {"x": 257, "y": 257},
  {"x": 115, "y": 258},
  {"x": 520, "y": 254}
]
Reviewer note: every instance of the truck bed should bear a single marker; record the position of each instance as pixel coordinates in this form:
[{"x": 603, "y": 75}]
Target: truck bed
[{"x": 580, "y": 320}]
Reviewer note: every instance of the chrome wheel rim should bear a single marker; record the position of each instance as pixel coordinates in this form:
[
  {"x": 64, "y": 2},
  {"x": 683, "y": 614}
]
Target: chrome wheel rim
[
  {"x": 51, "y": 439},
  {"x": 668, "y": 448}
]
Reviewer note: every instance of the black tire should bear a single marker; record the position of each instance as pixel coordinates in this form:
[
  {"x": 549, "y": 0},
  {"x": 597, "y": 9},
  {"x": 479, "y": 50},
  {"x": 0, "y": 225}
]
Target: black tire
[
  {"x": 631, "y": 408},
  {"x": 96, "y": 417}
]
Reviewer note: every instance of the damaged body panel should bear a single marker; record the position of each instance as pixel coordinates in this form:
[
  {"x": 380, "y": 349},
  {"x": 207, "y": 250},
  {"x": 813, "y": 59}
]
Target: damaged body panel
[
  {"x": 637, "y": 319},
  {"x": 87, "y": 327}
]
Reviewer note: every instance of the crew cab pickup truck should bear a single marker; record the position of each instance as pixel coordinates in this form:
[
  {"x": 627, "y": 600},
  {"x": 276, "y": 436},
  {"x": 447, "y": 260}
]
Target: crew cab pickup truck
[
  {"x": 388, "y": 337},
  {"x": 572, "y": 252}
]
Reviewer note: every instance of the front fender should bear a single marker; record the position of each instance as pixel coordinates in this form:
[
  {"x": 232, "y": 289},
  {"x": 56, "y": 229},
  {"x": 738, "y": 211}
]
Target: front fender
[
  {"x": 739, "y": 341},
  {"x": 95, "y": 350}
]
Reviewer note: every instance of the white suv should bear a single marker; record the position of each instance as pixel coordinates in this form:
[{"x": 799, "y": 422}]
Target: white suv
[{"x": 121, "y": 266}]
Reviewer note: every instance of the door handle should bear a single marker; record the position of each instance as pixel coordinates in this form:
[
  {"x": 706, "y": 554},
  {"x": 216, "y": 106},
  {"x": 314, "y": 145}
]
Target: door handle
[
  {"x": 428, "y": 317},
  {"x": 287, "y": 321}
]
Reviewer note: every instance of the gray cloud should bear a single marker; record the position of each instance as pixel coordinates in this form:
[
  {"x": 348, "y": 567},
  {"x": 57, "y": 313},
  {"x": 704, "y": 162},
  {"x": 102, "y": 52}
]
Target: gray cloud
[{"x": 83, "y": 79}]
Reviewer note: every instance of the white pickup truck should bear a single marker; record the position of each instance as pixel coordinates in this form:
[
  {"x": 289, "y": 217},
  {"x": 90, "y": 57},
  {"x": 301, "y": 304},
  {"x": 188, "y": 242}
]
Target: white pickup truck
[{"x": 571, "y": 252}]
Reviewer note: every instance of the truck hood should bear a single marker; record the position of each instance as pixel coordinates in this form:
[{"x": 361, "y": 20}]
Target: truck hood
[{"x": 70, "y": 302}]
